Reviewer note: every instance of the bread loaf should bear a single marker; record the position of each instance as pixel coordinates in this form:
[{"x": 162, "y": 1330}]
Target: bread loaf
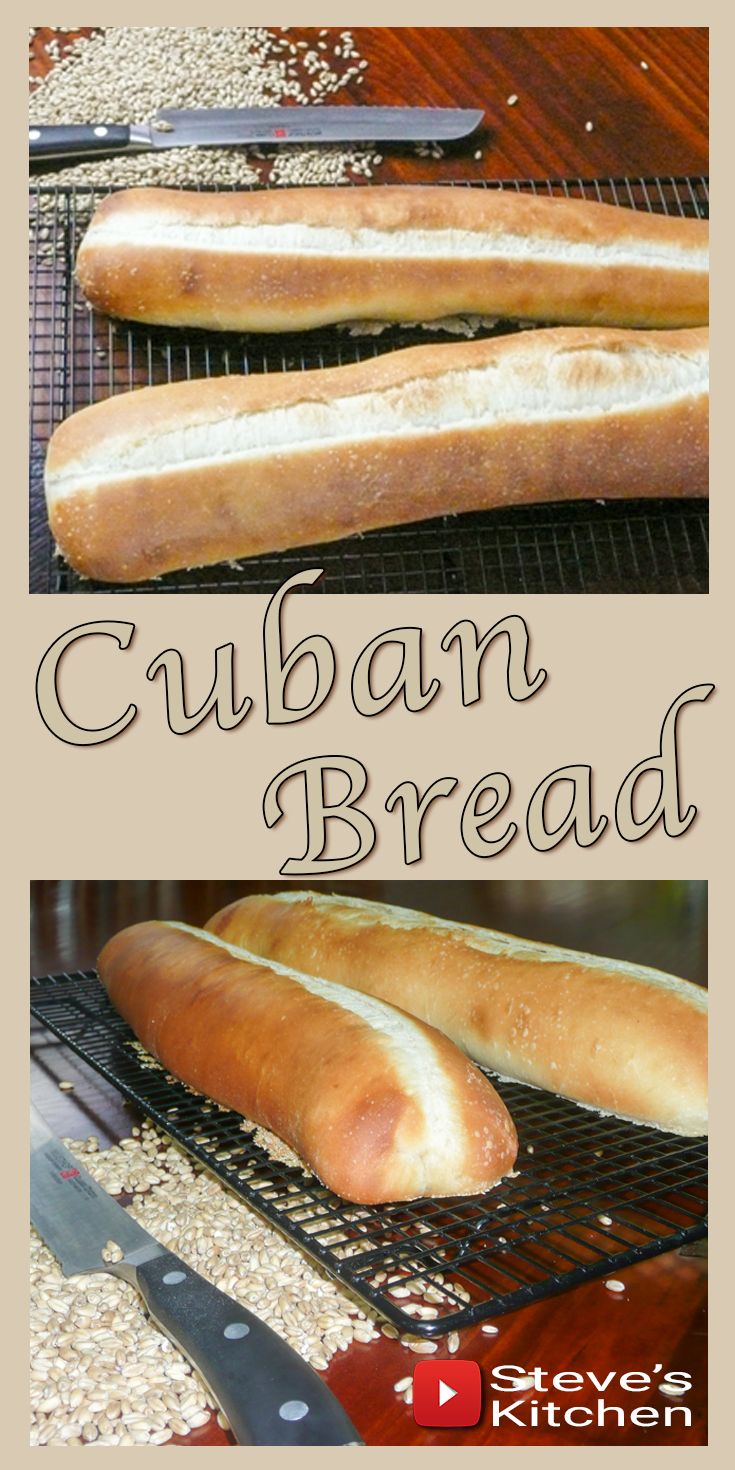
[
  {"x": 617, "y": 1037},
  {"x": 379, "y": 1105},
  {"x": 193, "y": 473},
  {"x": 282, "y": 260}
]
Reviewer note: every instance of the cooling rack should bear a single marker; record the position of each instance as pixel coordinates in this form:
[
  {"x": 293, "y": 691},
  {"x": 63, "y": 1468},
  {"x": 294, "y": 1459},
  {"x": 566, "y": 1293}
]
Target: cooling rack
[
  {"x": 79, "y": 357},
  {"x": 590, "y": 1195}
]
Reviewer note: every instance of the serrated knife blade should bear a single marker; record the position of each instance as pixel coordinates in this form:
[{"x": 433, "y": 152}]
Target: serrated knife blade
[
  {"x": 73, "y": 1213},
  {"x": 220, "y": 127}
]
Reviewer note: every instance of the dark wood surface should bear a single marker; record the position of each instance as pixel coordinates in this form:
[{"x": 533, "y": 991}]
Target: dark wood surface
[
  {"x": 652, "y": 121},
  {"x": 661, "y": 1318}
]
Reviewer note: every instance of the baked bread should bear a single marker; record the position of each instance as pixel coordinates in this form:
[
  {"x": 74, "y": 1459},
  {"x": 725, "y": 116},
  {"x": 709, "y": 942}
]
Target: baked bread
[
  {"x": 193, "y": 473},
  {"x": 281, "y": 260},
  {"x": 378, "y": 1105},
  {"x": 619, "y": 1038}
]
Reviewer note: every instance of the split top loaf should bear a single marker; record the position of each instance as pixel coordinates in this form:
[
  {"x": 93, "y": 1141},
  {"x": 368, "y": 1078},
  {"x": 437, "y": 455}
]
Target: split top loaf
[
  {"x": 379, "y": 1105},
  {"x": 287, "y": 259},
  {"x": 192, "y": 473},
  {"x": 620, "y": 1038}
]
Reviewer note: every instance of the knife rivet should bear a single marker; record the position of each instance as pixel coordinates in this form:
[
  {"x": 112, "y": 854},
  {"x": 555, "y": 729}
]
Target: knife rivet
[
  {"x": 237, "y": 1329},
  {"x": 293, "y": 1409},
  {"x": 34, "y": 134},
  {"x": 172, "y": 1278},
  {"x": 100, "y": 132}
]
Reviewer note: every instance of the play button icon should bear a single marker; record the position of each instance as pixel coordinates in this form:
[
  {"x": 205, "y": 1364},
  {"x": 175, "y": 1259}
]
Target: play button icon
[{"x": 448, "y": 1394}]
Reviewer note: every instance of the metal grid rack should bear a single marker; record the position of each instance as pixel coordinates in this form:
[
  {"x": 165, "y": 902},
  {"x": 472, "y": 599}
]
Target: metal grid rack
[
  {"x": 79, "y": 357},
  {"x": 537, "y": 1234}
]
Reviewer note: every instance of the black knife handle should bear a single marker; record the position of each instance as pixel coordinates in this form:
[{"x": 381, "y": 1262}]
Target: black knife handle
[
  {"x": 77, "y": 140},
  {"x": 269, "y": 1394}
]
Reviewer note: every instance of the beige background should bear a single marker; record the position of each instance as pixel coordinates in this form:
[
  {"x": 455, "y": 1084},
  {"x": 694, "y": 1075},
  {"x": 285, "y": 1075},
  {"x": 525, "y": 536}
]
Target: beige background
[
  {"x": 614, "y": 666},
  {"x": 151, "y": 804}
]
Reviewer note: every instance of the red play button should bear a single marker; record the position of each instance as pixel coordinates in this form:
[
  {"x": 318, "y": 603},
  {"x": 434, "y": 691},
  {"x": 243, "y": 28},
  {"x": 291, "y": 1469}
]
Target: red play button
[{"x": 448, "y": 1394}]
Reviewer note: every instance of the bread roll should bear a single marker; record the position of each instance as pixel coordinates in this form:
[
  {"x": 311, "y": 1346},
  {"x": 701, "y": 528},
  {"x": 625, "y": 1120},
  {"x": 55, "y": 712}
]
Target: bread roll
[
  {"x": 281, "y": 260},
  {"x": 377, "y": 1104},
  {"x": 193, "y": 473},
  {"x": 620, "y": 1038}
]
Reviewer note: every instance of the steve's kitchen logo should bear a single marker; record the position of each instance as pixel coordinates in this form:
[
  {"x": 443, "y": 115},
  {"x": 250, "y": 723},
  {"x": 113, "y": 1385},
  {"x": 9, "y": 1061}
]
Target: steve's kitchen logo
[{"x": 447, "y": 1395}]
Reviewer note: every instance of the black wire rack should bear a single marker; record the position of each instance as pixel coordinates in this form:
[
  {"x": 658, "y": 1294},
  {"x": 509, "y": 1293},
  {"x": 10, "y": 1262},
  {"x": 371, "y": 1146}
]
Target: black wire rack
[
  {"x": 590, "y": 1195},
  {"x": 79, "y": 357}
]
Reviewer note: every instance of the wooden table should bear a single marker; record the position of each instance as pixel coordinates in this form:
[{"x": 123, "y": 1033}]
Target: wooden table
[
  {"x": 644, "y": 122},
  {"x": 661, "y": 1318}
]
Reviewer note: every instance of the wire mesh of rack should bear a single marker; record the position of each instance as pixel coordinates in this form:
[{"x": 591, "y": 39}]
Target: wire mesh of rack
[
  {"x": 79, "y": 357},
  {"x": 541, "y": 1231}
]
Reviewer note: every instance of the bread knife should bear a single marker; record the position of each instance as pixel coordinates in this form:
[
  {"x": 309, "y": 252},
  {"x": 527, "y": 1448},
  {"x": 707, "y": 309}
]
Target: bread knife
[
  {"x": 230, "y": 127},
  {"x": 269, "y": 1394}
]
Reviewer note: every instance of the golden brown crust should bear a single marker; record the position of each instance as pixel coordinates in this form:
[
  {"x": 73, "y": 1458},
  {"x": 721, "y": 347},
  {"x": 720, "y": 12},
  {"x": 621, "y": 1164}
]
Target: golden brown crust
[
  {"x": 325, "y": 1079},
  {"x": 204, "y": 400},
  {"x": 402, "y": 207},
  {"x": 600, "y": 1033},
  {"x": 226, "y": 290},
  {"x": 134, "y": 527}
]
